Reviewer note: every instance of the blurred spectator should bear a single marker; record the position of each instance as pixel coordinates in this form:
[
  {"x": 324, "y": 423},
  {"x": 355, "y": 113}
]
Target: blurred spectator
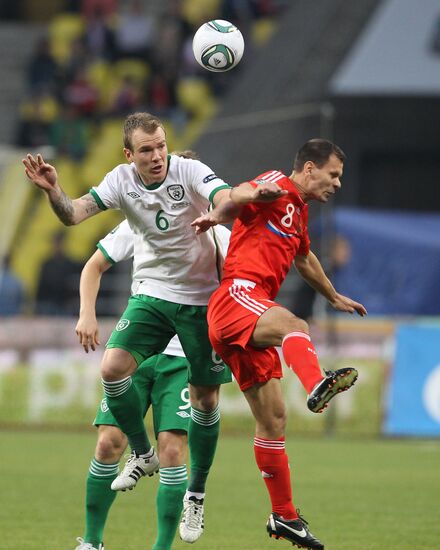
[
  {"x": 42, "y": 70},
  {"x": 37, "y": 113},
  {"x": 11, "y": 290},
  {"x": 134, "y": 33},
  {"x": 268, "y": 8},
  {"x": 69, "y": 134},
  {"x": 173, "y": 32},
  {"x": 162, "y": 99},
  {"x": 81, "y": 96},
  {"x": 304, "y": 296},
  {"x": 161, "y": 95},
  {"x": 188, "y": 64},
  {"x": 57, "y": 292},
  {"x": 99, "y": 38},
  {"x": 107, "y": 8},
  {"x": 77, "y": 61},
  {"x": 127, "y": 98},
  {"x": 239, "y": 12}
]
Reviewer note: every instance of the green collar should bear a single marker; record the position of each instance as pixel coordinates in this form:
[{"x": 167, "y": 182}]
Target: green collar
[{"x": 156, "y": 184}]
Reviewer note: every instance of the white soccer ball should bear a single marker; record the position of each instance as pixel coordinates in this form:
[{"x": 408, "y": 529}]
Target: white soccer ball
[{"x": 218, "y": 45}]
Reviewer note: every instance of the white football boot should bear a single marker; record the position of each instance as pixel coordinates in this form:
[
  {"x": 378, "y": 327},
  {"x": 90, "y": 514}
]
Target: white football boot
[
  {"x": 135, "y": 468},
  {"x": 87, "y": 545},
  {"x": 192, "y": 522}
]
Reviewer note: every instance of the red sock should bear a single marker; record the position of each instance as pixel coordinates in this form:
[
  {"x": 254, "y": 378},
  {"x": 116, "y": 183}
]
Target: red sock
[
  {"x": 273, "y": 464},
  {"x": 300, "y": 355}
]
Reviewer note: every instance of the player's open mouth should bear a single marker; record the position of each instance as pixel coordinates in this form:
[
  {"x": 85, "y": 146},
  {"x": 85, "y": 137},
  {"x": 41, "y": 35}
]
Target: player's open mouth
[{"x": 157, "y": 169}]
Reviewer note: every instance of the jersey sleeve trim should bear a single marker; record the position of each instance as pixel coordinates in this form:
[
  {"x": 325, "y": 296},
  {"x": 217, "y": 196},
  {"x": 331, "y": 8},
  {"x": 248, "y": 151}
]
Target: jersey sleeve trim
[
  {"x": 98, "y": 200},
  {"x": 106, "y": 255},
  {"x": 214, "y": 191}
]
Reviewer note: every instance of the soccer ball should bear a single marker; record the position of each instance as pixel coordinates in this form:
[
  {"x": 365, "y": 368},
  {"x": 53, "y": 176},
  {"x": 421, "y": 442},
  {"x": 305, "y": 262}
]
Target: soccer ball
[{"x": 218, "y": 45}]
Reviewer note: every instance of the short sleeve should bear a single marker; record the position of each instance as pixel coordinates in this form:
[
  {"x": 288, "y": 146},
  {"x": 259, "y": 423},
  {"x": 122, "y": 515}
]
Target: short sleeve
[
  {"x": 107, "y": 193},
  {"x": 118, "y": 245},
  {"x": 203, "y": 180}
]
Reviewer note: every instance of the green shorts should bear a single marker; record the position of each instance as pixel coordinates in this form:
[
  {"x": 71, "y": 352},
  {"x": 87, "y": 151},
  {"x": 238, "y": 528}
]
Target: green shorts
[
  {"x": 161, "y": 382},
  {"x": 148, "y": 324}
]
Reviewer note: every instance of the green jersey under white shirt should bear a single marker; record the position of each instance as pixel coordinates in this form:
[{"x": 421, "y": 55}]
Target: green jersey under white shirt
[{"x": 171, "y": 262}]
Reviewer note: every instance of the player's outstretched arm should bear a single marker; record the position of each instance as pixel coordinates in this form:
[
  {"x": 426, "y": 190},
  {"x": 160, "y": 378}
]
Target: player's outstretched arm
[
  {"x": 246, "y": 193},
  {"x": 224, "y": 211},
  {"x": 310, "y": 269},
  {"x": 87, "y": 327},
  {"x": 44, "y": 176},
  {"x": 229, "y": 203}
]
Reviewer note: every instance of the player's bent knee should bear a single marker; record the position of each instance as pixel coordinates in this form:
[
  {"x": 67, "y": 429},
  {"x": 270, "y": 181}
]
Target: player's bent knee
[
  {"x": 172, "y": 456},
  {"x": 172, "y": 447},
  {"x": 273, "y": 427},
  {"x": 296, "y": 324},
  {"x": 117, "y": 364},
  {"x": 204, "y": 398},
  {"x": 111, "y": 443}
]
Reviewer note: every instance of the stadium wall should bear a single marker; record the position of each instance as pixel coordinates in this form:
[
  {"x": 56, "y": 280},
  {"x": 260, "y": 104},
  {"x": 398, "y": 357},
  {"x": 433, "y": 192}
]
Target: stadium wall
[{"x": 47, "y": 381}]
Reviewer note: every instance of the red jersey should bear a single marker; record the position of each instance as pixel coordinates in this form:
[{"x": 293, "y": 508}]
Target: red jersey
[{"x": 267, "y": 236}]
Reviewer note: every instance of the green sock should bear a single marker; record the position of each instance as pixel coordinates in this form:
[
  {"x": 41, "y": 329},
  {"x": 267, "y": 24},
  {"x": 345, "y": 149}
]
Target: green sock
[
  {"x": 99, "y": 498},
  {"x": 123, "y": 402},
  {"x": 203, "y": 432},
  {"x": 169, "y": 504}
]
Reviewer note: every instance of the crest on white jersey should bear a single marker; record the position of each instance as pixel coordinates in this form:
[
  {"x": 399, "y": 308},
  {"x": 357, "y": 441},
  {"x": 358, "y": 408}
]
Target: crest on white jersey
[{"x": 176, "y": 192}]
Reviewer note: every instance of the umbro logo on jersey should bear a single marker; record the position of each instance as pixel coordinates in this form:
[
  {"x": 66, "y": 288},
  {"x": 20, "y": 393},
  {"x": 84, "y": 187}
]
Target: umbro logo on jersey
[
  {"x": 217, "y": 368},
  {"x": 176, "y": 192},
  {"x": 133, "y": 195},
  {"x": 183, "y": 414},
  {"x": 104, "y": 406}
]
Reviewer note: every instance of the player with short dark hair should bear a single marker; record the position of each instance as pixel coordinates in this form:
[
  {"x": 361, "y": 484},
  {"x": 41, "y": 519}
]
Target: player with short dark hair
[{"x": 245, "y": 323}]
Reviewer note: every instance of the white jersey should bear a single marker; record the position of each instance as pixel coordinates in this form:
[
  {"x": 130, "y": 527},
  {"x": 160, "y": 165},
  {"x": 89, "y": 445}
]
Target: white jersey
[
  {"x": 118, "y": 246},
  {"x": 170, "y": 261}
]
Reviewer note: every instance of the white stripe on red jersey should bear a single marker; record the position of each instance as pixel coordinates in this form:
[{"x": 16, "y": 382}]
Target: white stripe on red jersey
[
  {"x": 273, "y": 176},
  {"x": 246, "y": 301}
]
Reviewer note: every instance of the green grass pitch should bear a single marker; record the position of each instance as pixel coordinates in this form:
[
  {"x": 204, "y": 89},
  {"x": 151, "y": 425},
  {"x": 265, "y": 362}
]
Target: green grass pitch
[{"x": 356, "y": 494}]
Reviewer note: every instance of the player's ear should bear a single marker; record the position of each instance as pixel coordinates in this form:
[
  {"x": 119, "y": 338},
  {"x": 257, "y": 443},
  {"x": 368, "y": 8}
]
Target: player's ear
[
  {"x": 128, "y": 154},
  {"x": 308, "y": 167}
]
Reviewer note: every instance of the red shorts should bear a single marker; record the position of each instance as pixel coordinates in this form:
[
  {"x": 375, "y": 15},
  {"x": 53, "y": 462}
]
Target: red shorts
[{"x": 233, "y": 312}]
